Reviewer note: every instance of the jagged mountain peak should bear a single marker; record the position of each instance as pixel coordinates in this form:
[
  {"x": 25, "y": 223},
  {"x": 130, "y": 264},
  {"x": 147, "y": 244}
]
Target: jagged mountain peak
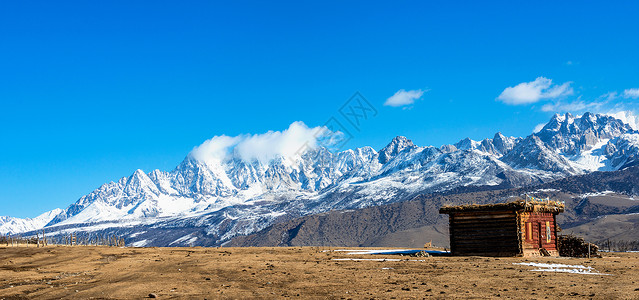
[
  {"x": 557, "y": 121},
  {"x": 138, "y": 178},
  {"x": 448, "y": 148},
  {"x": 396, "y": 146},
  {"x": 568, "y": 124},
  {"x": 139, "y": 173},
  {"x": 466, "y": 144},
  {"x": 190, "y": 162},
  {"x": 504, "y": 144},
  {"x": 499, "y": 145},
  {"x": 399, "y": 142},
  {"x": 572, "y": 135},
  {"x": 565, "y": 117}
]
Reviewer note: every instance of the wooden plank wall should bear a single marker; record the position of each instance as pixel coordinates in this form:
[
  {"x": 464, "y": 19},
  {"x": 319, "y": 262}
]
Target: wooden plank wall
[
  {"x": 531, "y": 223},
  {"x": 484, "y": 233}
]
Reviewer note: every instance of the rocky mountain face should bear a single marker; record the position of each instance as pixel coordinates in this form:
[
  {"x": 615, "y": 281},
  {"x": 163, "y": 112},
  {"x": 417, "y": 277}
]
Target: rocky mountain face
[
  {"x": 209, "y": 202},
  {"x": 571, "y": 136}
]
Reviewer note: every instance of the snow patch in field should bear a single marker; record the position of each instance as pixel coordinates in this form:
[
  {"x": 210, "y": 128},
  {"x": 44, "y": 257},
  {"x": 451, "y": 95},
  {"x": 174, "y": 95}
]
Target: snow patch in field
[
  {"x": 604, "y": 193},
  {"x": 547, "y": 190},
  {"x": 375, "y": 259},
  {"x": 390, "y": 252},
  {"x": 561, "y": 268}
]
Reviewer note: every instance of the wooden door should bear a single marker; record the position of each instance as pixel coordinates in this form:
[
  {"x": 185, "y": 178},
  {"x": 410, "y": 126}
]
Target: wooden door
[{"x": 539, "y": 235}]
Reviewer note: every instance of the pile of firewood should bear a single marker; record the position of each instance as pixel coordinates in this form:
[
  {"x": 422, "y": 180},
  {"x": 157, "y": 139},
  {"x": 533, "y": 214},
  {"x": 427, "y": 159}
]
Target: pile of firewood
[{"x": 572, "y": 246}]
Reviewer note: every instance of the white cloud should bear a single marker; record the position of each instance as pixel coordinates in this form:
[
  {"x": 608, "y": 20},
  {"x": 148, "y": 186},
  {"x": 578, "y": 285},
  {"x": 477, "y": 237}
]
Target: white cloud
[
  {"x": 631, "y": 93},
  {"x": 531, "y": 92},
  {"x": 403, "y": 98},
  {"x": 627, "y": 117},
  {"x": 215, "y": 149},
  {"x": 613, "y": 103},
  {"x": 609, "y": 96},
  {"x": 575, "y": 106},
  {"x": 539, "y": 127},
  {"x": 262, "y": 147}
]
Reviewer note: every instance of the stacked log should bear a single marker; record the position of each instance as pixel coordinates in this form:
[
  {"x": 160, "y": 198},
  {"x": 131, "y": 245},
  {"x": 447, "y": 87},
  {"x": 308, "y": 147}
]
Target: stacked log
[{"x": 572, "y": 246}]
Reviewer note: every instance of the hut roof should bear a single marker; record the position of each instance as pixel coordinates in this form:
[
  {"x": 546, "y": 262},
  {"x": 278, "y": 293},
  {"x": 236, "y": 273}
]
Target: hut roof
[{"x": 518, "y": 205}]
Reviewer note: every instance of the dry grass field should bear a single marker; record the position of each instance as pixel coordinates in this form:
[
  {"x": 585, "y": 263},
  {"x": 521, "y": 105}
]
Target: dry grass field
[{"x": 85, "y": 272}]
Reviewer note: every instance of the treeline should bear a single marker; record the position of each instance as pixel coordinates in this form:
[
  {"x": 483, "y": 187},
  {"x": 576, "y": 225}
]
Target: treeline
[
  {"x": 74, "y": 239},
  {"x": 618, "y": 245},
  {"x": 18, "y": 240}
]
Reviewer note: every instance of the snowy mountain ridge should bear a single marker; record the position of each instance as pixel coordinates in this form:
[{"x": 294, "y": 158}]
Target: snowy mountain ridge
[
  {"x": 17, "y": 225},
  {"x": 230, "y": 196}
]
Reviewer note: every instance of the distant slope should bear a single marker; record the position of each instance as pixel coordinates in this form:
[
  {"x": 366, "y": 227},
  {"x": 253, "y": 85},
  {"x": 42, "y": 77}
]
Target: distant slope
[{"x": 412, "y": 223}]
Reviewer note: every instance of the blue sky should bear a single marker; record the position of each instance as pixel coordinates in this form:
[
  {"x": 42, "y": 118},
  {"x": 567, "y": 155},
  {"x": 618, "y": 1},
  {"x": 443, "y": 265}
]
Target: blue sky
[{"x": 91, "y": 91}]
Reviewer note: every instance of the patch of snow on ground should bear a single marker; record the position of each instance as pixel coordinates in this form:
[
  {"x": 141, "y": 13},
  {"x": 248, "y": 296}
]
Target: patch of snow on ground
[
  {"x": 547, "y": 190},
  {"x": 392, "y": 251},
  {"x": 604, "y": 193},
  {"x": 376, "y": 259},
  {"x": 574, "y": 269}
]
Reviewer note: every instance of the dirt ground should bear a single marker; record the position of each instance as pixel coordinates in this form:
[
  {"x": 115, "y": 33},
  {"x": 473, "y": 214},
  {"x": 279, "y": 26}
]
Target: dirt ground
[{"x": 84, "y": 272}]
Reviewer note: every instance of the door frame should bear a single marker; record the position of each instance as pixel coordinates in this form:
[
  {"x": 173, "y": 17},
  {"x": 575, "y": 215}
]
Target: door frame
[{"x": 540, "y": 235}]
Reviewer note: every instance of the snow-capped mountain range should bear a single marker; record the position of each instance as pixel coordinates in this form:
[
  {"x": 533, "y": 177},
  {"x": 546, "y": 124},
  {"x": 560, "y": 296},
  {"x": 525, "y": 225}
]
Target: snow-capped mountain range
[
  {"x": 204, "y": 202},
  {"x": 16, "y": 225}
]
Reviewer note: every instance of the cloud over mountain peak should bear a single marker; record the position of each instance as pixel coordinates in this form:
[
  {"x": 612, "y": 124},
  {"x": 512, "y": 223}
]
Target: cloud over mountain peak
[{"x": 294, "y": 140}]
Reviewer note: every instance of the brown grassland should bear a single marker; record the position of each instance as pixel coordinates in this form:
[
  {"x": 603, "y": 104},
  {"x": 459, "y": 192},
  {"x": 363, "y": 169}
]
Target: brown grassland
[{"x": 90, "y": 272}]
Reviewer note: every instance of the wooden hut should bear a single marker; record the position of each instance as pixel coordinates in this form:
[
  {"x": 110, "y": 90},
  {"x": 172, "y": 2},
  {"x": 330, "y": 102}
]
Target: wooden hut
[{"x": 521, "y": 228}]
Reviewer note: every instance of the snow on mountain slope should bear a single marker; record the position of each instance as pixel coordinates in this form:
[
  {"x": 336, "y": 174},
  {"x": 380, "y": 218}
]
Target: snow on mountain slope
[
  {"x": 225, "y": 187},
  {"x": 533, "y": 153},
  {"x": 622, "y": 151},
  {"x": 591, "y": 142},
  {"x": 570, "y": 135},
  {"x": 498, "y": 146},
  {"x": 10, "y": 225},
  {"x": 593, "y": 159}
]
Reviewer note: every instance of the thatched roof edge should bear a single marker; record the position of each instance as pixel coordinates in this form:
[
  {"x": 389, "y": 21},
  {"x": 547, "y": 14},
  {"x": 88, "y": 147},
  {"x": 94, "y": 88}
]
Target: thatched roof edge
[{"x": 519, "y": 205}]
